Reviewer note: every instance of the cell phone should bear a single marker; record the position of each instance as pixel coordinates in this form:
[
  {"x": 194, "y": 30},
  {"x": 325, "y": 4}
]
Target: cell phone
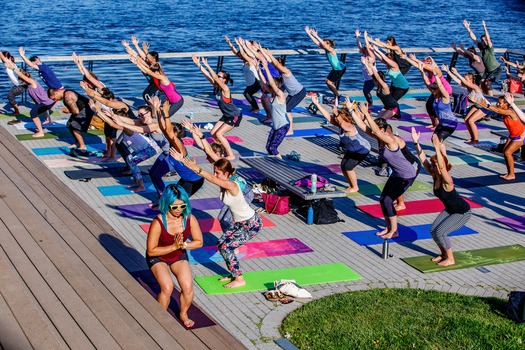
[{"x": 147, "y": 97}]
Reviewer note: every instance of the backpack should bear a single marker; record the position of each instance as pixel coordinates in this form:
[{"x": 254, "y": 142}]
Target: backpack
[
  {"x": 307, "y": 182},
  {"x": 324, "y": 212},
  {"x": 516, "y": 306}
]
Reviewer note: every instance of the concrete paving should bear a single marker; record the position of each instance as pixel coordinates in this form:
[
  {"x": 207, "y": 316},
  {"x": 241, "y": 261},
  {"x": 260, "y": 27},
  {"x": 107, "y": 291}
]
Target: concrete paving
[{"x": 253, "y": 319}]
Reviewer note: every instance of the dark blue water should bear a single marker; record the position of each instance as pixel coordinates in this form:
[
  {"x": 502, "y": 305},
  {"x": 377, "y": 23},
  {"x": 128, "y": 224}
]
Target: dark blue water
[{"x": 98, "y": 26}]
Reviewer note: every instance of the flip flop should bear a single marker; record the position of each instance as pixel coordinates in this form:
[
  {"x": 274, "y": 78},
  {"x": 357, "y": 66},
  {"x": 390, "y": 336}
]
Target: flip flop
[{"x": 274, "y": 295}]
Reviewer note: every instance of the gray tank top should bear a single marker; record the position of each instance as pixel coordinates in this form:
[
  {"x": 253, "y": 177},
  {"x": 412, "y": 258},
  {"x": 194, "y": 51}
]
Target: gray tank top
[
  {"x": 292, "y": 85},
  {"x": 355, "y": 143},
  {"x": 279, "y": 117},
  {"x": 401, "y": 167}
]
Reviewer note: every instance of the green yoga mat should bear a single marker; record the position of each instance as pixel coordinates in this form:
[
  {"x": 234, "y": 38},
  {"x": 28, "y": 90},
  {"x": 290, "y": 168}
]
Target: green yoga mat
[
  {"x": 263, "y": 280},
  {"x": 375, "y": 189},
  {"x": 471, "y": 258},
  {"x": 473, "y": 158},
  {"x": 55, "y": 135}
]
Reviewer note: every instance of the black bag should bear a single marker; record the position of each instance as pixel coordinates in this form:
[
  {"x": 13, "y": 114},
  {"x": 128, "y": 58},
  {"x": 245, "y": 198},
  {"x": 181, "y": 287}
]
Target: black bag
[
  {"x": 324, "y": 212},
  {"x": 516, "y": 306}
]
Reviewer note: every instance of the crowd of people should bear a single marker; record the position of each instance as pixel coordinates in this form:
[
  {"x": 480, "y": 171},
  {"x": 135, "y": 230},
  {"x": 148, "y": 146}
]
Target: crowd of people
[{"x": 151, "y": 131}]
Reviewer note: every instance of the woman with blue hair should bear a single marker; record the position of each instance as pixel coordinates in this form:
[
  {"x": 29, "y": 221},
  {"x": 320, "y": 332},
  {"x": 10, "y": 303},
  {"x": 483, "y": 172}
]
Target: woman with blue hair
[{"x": 167, "y": 244}]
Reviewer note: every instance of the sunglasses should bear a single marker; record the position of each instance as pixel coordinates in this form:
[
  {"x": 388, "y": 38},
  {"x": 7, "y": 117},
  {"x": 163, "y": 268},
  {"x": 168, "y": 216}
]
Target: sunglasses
[
  {"x": 177, "y": 207},
  {"x": 143, "y": 114},
  {"x": 221, "y": 76}
]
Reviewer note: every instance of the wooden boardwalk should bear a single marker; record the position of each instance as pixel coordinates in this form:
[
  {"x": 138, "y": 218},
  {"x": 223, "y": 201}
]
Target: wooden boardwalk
[{"x": 59, "y": 286}]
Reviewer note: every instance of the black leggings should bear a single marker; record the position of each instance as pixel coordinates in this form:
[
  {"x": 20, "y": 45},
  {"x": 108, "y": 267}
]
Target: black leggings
[
  {"x": 430, "y": 106},
  {"x": 394, "y": 187},
  {"x": 150, "y": 90},
  {"x": 248, "y": 94}
]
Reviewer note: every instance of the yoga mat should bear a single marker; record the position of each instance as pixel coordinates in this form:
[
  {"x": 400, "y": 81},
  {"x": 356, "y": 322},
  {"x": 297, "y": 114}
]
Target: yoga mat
[
  {"x": 375, "y": 189},
  {"x": 121, "y": 190},
  {"x": 404, "y": 106},
  {"x": 473, "y": 158},
  {"x": 423, "y": 137},
  {"x": 30, "y": 125},
  {"x": 150, "y": 284},
  {"x": 83, "y": 174},
  {"x": 471, "y": 258},
  {"x": 425, "y": 206},
  {"x": 308, "y": 119},
  {"x": 251, "y": 250},
  {"x": 411, "y": 233},
  {"x": 56, "y": 135},
  {"x": 310, "y": 132},
  {"x": 263, "y": 280},
  {"x": 515, "y": 222},
  {"x": 482, "y": 142},
  {"x": 188, "y": 141},
  {"x": 51, "y": 151},
  {"x": 423, "y": 128},
  {"x": 144, "y": 209},
  {"x": 212, "y": 224},
  {"x": 235, "y": 101},
  {"x": 65, "y": 163}
]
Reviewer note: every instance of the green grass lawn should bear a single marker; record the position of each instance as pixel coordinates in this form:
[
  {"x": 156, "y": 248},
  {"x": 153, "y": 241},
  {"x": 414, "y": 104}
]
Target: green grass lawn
[{"x": 403, "y": 319}]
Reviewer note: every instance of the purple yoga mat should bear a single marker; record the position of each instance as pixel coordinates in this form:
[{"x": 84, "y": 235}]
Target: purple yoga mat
[
  {"x": 515, "y": 222},
  {"x": 422, "y": 137},
  {"x": 423, "y": 128},
  {"x": 143, "y": 209}
]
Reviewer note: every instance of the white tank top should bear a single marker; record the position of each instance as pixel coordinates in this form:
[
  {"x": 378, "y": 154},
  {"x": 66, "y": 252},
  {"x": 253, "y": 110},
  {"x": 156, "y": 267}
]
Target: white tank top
[{"x": 241, "y": 210}]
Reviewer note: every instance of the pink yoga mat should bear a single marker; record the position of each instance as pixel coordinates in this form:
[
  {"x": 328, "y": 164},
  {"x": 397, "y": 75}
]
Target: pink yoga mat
[
  {"x": 515, "y": 222},
  {"x": 188, "y": 141},
  {"x": 423, "y": 137},
  {"x": 213, "y": 225},
  {"x": 425, "y": 206}
]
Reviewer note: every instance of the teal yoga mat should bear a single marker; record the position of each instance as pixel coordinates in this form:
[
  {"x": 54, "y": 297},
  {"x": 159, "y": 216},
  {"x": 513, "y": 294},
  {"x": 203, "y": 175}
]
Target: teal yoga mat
[
  {"x": 51, "y": 151},
  {"x": 263, "y": 280}
]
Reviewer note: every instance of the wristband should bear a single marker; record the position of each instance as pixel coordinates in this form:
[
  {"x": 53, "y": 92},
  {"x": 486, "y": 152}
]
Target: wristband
[
  {"x": 199, "y": 171},
  {"x": 184, "y": 245},
  {"x": 416, "y": 143},
  {"x": 202, "y": 137}
]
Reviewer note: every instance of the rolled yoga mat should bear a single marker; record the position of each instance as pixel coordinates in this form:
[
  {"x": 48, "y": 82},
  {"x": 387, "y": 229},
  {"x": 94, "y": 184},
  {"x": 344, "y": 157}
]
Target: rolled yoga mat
[
  {"x": 470, "y": 258},
  {"x": 412, "y": 233},
  {"x": 425, "y": 206},
  {"x": 251, "y": 250},
  {"x": 263, "y": 280}
]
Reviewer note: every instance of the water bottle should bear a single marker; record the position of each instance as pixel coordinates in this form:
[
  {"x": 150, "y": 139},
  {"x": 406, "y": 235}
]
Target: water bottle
[
  {"x": 313, "y": 186},
  {"x": 504, "y": 86},
  {"x": 191, "y": 115},
  {"x": 310, "y": 215},
  {"x": 321, "y": 98}
]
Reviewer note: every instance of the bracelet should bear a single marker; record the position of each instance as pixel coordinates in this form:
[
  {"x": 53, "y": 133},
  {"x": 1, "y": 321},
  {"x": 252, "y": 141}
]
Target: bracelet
[
  {"x": 202, "y": 137},
  {"x": 416, "y": 143},
  {"x": 184, "y": 245},
  {"x": 199, "y": 171}
]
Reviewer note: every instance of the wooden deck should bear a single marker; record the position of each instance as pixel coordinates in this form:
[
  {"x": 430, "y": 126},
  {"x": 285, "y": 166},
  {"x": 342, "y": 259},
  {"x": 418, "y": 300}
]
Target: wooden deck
[{"x": 59, "y": 286}]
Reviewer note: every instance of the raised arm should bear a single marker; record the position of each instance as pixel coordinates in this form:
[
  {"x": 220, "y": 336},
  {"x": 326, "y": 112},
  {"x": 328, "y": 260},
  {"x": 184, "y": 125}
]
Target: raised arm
[
  {"x": 359, "y": 46},
  {"x": 448, "y": 183},
  {"x": 487, "y": 35},
  {"x": 22, "y": 53},
  {"x": 470, "y": 32},
  {"x": 383, "y": 58},
  {"x": 243, "y": 52},
  {"x": 461, "y": 50},
  {"x": 135, "y": 43},
  {"x": 276, "y": 63},
  {"x": 87, "y": 74},
  {"x": 197, "y": 60},
  {"x": 323, "y": 111},
  {"x": 510, "y": 99},
  {"x": 389, "y": 141},
  {"x": 372, "y": 70},
  {"x": 18, "y": 71},
  {"x": 312, "y": 33},
  {"x": 444, "y": 93},
  {"x": 223, "y": 84},
  {"x": 458, "y": 78}
]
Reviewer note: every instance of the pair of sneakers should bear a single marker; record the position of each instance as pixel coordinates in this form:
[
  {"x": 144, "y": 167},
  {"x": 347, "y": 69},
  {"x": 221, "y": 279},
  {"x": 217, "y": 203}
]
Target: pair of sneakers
[{"x": 77, "y": 152}]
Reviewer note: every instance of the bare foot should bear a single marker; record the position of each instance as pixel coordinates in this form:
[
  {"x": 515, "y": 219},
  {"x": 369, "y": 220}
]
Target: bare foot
[
  {"x": 38, "y": 134},
  {"x": 133, "y": 185},
  {"x": 437, "y": 258},
  {"x": 471, "y": 142},
  {"x": 446, "y": 262},
  {"x": 380, "y": 233},
  {"x": 104, "y": 155},
  {"x": 110, "y": 159},
  {"x": 235, "y": 284},
  {"x": 139, "y": 189},
  {"x": 399, "y": 207},
  {"x": 188, "y": 323},
  {"x": 508, "y": 177},
  {"x": 290, "y": 132},
  {"x": 47, "y": 122},
  {"x": 430, "y": 127},
  {"x": 390, "y": 235},
  {"x": 72, "y": 145},
  {"x": 351, "y": 189},
  {"x": 254, "y": 110},
  {"x": 224, "y": 279},
  {"x": 266, "y": 120}
]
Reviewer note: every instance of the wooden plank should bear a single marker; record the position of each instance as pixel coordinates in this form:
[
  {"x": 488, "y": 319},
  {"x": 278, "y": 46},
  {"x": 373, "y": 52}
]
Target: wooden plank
[
  {"x": 148, "y": 313},
  {"x": 217, "y": 338},
  {"x": 97, "y": 302},
  {"x": 30, "y": 316}
]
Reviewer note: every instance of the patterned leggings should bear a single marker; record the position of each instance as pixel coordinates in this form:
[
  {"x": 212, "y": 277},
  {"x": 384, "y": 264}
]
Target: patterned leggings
[
  {"x": 234, "y": 237},
  {"x": 445, "y": 224},
  {"x": 135, "y": 158}
]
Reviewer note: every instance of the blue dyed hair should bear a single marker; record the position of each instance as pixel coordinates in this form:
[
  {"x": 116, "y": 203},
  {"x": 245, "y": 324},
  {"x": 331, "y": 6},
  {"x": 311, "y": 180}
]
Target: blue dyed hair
[{"x": 171, "y": 193}]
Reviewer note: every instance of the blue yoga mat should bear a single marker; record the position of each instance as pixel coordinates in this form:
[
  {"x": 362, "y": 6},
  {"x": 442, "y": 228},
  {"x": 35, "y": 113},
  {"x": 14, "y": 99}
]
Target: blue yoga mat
[
  {"x": 51, "y": 151},
  {"x": 121, "y": 190},
  {"x": 412, "y": 233},
  {"x": 404, "y": 106},
  {"x": 311, "y": 132}
]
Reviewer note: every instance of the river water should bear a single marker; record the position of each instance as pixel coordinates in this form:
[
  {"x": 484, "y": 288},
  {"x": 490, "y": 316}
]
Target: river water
[{"x": 49, "y": 28}]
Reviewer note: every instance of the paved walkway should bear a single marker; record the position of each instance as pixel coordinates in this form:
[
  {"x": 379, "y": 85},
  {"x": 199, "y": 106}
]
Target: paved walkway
[{"x": 253, "y": 319}]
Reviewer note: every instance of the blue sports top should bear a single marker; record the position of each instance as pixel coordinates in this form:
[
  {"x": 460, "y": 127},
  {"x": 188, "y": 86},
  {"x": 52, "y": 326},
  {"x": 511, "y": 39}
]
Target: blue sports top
[{"x": 49, "y": 77}]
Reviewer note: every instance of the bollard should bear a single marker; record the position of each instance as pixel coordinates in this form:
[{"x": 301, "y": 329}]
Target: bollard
[{"x": 385, "y": 249}]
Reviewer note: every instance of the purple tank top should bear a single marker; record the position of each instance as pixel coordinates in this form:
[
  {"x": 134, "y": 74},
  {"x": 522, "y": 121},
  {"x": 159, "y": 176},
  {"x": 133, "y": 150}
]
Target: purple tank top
[
  {"x": 401, "y": 167},
  {"x": 39, "y": 95}
]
